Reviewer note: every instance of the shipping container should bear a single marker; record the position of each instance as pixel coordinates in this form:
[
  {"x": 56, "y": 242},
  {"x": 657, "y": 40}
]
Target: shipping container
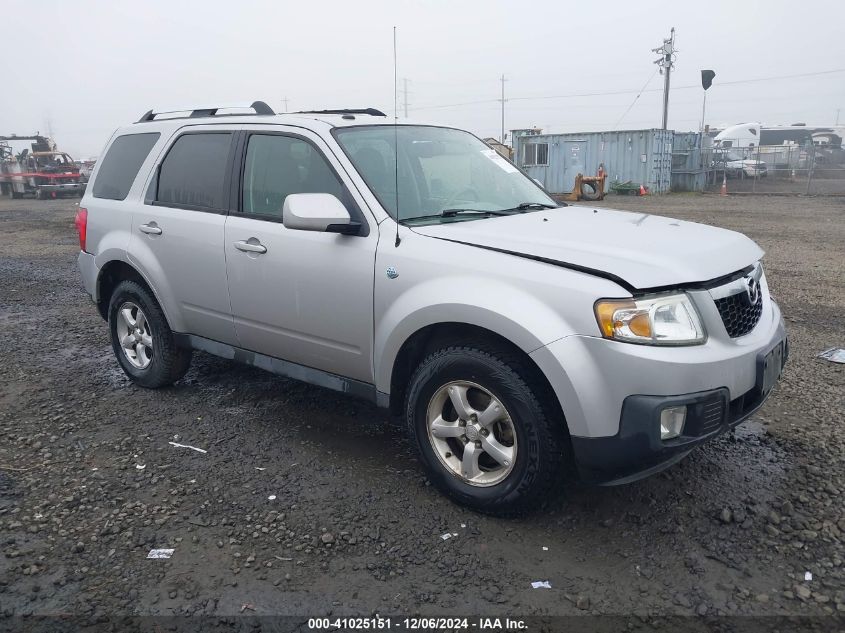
[{"x": 643, "y": 157}]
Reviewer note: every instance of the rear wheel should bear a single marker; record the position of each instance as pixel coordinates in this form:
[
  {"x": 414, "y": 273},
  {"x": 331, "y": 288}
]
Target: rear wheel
[
  {"x": 485, "y": 431},
  {"x": 142, "y": 340}
]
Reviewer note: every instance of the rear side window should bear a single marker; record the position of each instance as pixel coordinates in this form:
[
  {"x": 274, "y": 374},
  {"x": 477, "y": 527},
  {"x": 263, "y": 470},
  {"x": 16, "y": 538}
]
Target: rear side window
[
  {"x": 121, "y": 164},
  {"x": 193, "y": 174}
]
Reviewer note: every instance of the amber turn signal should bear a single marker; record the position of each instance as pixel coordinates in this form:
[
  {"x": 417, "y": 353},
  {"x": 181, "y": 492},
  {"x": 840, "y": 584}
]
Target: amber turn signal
[{"x": 606, "y": 314}]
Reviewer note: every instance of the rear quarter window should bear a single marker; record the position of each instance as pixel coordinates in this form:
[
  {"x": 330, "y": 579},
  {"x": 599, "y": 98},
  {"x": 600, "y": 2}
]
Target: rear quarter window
[{"x": 121, "y": 163}]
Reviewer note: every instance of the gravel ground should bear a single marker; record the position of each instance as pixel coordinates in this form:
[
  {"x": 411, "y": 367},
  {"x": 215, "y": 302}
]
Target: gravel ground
[{"x": 309, "y": 503}]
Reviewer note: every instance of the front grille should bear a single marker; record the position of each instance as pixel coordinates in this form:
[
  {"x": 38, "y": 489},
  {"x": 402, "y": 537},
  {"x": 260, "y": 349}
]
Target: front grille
[{"x": 739, "y": 315}]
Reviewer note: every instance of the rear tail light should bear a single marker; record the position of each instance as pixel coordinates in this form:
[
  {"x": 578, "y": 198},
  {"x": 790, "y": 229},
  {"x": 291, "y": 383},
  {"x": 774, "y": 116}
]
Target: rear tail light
[{"x": 81, "y": 222}]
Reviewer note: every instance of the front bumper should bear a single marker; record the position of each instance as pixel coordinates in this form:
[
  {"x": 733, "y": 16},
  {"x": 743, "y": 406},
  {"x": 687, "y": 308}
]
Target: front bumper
[
  {"x": 637, "y": 450},
  {"x": 612, "y": 393},
  {"x": 75, "y": 188}
]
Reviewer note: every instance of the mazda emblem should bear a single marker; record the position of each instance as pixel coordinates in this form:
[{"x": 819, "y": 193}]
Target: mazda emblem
[{"x": 752, "y": 287}]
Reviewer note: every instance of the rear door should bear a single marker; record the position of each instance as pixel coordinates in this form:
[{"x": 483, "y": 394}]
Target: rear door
[
  {"x": 308, "y": 298},
  {"x": 177, "y": 236}
]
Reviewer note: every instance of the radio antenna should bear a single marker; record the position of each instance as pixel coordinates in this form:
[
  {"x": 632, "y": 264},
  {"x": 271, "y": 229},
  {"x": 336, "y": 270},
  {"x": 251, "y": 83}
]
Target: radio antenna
[{"x": 396, "y": 136}]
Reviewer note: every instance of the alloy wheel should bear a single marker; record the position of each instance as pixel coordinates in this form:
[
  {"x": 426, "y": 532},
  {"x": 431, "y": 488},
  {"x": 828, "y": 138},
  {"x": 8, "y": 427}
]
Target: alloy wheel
[
  {"x": 471, "y": 433},
  {"x": 135, "y": 336}
]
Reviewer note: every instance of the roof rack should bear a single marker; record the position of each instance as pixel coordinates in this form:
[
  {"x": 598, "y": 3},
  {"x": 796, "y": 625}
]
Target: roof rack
[
  {"x": 258, "y": 106},
  {"x": 369, "y": 111}
]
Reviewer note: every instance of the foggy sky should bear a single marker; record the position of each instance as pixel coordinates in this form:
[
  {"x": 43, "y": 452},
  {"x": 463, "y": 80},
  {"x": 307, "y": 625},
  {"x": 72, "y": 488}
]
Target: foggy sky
[{"x": 83, "y": 68}]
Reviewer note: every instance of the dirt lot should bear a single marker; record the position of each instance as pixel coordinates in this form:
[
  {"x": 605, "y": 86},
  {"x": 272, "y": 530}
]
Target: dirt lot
[{"x": 309, "y": 503}]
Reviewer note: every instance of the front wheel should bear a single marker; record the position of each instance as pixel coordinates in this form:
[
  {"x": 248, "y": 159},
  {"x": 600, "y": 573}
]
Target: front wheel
[
  {"x": 142, "y": 340},
  {"x": 485, "y": 429}
]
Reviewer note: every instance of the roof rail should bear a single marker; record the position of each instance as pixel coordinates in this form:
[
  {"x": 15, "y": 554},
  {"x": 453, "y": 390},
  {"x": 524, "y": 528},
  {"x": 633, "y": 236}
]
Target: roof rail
[
  {"x": 369, "y": 111},
  {"x": 258, "y": 106}
]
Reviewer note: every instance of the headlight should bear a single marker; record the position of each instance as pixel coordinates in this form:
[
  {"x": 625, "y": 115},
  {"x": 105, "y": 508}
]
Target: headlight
[{"x": 657, "y": 320}]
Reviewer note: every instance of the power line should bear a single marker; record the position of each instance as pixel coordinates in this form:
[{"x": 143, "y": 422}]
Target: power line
[
  {"x": 627, "y": 92},
  {"x": 639, "y": 94}
]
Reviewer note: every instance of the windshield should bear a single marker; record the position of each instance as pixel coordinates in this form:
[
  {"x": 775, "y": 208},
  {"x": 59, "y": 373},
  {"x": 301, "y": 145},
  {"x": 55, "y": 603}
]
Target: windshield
[{"x": 439, "y": 170}]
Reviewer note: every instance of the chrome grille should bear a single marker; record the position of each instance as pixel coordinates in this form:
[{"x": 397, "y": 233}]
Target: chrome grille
[{"x": 739, "y": 315}]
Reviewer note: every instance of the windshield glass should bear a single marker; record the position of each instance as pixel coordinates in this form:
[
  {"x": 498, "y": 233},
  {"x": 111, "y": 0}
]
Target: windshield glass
[{"x": 439, "y": 169}]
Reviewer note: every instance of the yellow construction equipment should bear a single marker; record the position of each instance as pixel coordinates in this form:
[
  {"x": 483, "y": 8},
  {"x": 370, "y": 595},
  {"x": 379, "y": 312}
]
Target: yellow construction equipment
[{"x": 587, "y": 188}]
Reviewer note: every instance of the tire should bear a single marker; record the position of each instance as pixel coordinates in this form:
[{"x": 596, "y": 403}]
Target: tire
[
  {"x": 159, "y": 364},
  {"x": 590, "y": 192},
  {"x": 540, "y": 443}
]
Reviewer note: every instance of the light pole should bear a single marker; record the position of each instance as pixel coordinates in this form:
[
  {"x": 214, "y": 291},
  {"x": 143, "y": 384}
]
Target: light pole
[{"x": 706, "y": 82}]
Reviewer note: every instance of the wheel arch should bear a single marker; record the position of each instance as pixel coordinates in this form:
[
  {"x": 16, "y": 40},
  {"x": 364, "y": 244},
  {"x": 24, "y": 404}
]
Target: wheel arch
[
  {"x": 111, "y": 274},
  {"x": 436, "y": 336}
]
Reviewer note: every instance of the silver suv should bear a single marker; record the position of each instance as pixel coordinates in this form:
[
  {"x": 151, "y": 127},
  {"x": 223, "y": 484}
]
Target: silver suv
[{"x": 413, "y": 266}]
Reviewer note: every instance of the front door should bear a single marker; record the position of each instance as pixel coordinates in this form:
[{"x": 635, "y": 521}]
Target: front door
[
  {"x": 302, "y": 296},
  {"x": 573, "y": 162}
]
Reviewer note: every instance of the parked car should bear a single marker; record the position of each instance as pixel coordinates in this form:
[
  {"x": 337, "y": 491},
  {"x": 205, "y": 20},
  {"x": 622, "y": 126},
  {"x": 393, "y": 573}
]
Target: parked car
[
  {"x": 746, "y": 168},
  {"x": 411, "y": 265}
]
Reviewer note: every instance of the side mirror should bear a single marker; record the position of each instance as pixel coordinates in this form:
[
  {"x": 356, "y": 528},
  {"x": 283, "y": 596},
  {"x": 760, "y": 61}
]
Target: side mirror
[{"x": 317, "y": 212}]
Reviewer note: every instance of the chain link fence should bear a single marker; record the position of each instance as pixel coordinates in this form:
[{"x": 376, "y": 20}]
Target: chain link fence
[{"x": 808, "y": 168}]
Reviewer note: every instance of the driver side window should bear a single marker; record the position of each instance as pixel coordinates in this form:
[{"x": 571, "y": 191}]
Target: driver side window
[{"x": 277, "y": 166}]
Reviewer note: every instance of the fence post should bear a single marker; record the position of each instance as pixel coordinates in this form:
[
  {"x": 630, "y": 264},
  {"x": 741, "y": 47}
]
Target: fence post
[{"x": 811, "y": 166}]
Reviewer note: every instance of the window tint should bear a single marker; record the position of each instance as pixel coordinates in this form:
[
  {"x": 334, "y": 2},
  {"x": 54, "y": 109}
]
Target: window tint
[
  {"x": 121, "y": 164},
  {"x": 277, "y": 166},
  {"x": 194, "y": 171}
]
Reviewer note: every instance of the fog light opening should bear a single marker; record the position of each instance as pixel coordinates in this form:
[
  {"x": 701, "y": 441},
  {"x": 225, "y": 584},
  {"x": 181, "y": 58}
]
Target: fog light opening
[{"x": 672, "y": 422}]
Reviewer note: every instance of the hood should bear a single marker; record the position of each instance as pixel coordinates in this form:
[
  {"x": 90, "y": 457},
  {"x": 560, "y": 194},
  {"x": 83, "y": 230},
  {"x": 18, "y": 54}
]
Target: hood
[{"x": 642, "y": 250}]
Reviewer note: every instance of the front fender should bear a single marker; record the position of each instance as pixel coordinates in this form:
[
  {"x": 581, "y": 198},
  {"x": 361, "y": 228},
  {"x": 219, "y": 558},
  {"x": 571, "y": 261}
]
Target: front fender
[{"x": 515, "y": 315}]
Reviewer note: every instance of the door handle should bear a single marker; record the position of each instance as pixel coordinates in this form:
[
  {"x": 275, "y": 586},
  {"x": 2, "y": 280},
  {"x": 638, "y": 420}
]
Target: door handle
[
  {"x": 250, "y": 247},
  {"x": 150, "y": 229}
]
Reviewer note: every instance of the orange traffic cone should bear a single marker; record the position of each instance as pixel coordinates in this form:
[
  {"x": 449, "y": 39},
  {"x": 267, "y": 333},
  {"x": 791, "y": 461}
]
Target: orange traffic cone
[
  {"x": 643, "y": 191},
  {"x": 724, "y": 190}
]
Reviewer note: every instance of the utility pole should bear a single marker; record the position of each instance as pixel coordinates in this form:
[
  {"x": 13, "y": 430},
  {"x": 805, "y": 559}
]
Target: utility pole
[
  {"x": 286, "y": 103},
  {"x": 405, "y": 94},
  {"x": 503, "y": 80},
  {"x": 666, "y": 62},
  {"x": 837, "y": 116}
]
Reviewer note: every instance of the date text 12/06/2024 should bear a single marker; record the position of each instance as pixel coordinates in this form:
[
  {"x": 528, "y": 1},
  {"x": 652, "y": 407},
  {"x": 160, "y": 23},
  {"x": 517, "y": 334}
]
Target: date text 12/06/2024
[{"x": 417, "y": 623}]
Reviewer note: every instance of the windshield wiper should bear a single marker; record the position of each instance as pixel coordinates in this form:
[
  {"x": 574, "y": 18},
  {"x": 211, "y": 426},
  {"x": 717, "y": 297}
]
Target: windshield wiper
[
  {"x": 451, "y": 213},
  {"x": 523, "y": 206},
  {"x": 481, "y": 213}
]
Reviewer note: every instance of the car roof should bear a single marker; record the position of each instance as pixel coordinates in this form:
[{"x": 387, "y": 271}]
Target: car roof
[{"x": 314, "y": 121}]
